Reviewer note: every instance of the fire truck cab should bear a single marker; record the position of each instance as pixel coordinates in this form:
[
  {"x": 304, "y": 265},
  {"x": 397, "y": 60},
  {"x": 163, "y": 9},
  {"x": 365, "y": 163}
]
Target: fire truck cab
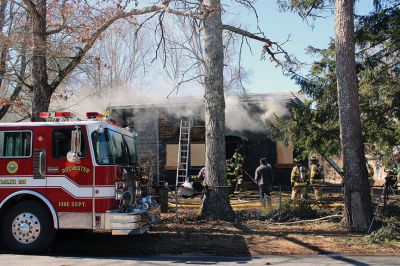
[{"x": 69, "y": 175}]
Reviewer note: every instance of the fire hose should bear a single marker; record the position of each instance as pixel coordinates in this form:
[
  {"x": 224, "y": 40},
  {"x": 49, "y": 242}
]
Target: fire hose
[
  {"x": 130, "y": 195},
  {"x": 250, "y": 177}
]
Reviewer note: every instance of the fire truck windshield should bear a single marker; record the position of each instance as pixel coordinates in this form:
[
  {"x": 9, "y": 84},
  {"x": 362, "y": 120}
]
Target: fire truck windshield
[{"x": 113, "y": 148}]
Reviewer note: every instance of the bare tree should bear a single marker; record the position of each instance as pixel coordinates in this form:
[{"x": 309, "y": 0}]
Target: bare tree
[
  {"x": 115, "y": 62},
  {"x": 4, "y": 48},
  {"x": 13, "y": 59},
  {"x": 184, "y": 61},
  {"x": 101, "y": 20},
  {"x": 216, "y": 201}
]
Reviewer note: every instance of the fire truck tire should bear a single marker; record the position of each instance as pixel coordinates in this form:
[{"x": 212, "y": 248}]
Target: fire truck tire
[{"x": 27, "y": 227}]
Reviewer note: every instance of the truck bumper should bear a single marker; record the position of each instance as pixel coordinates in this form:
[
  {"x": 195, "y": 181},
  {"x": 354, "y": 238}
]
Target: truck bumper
[{"x": 128, "y": 223}]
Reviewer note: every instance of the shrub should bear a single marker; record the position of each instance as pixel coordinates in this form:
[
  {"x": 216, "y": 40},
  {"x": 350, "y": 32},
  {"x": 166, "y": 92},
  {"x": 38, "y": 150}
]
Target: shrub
[
  {"x": 384, "y": 234},
  {"x": 292, "y": 210}
]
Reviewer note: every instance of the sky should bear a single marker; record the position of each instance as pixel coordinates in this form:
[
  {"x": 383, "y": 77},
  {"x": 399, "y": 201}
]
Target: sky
[{"x": 265, "y": 77}]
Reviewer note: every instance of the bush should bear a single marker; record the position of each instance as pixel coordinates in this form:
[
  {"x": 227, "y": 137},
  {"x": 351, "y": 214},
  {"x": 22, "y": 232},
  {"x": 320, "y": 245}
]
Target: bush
[
  {"x": 392, "y": 210},
  {"x": 391, "y": 215},
  {"x": 384, "y": 234},
  {"x": 292, "y": 210}
]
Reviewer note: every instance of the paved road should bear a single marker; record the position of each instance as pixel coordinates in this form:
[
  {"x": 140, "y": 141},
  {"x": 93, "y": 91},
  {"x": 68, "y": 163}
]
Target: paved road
[{"x": 10, "y": 260}]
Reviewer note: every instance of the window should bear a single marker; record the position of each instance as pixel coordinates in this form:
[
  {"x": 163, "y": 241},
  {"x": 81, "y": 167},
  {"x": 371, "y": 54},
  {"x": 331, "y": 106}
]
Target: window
[
  {"x": 132, "y": 148},
  {"x": 284, "y": 155},
  {"x": 15, "y": 144},
  {"x": 62, "y": 143},
  {"x": 119, "y": 148},
  {"x": 111, "y": 147},
  {"x": 172, "y": 156},
  {"x": 197, "y": 154}
]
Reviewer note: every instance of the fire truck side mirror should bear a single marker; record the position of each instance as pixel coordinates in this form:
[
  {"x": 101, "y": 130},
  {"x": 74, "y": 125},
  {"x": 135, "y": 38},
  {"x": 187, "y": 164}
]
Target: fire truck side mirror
[{"x": 73, "y": 155}]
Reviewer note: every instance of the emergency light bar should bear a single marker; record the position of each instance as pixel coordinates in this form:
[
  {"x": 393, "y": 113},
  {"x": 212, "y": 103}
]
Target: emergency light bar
[
  {"x": 99, "y": 117},
  {"x": 93, "y": 115},
  {"x": 63, "y": 114},
  {"x": 44, "y": 115},
  {"x": 56, "y": 116}
]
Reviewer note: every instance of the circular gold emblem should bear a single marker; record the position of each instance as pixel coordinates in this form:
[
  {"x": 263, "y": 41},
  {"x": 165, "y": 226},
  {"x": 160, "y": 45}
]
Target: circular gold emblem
[{"x": 12, "y": 167}]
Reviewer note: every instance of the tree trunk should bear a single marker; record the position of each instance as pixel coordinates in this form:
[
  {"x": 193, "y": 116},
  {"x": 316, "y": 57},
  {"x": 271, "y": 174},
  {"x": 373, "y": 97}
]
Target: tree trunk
[
  {"x": 41, "y": 90},
  {"x": 216, "y": 203},
  {"x": 358, "y": 207}
]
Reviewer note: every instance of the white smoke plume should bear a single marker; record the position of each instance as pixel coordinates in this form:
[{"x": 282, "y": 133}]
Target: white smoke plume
[{"x": 240, "y": 115}]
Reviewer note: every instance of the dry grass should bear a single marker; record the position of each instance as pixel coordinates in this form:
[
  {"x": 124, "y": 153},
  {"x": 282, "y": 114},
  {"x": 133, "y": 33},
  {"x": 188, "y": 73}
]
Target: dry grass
[
  {"x": 258, "y": 237},
  {"x": 248, "y": 235}
]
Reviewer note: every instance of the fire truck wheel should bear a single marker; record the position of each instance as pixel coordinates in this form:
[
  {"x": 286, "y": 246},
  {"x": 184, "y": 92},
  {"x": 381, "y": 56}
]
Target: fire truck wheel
[{"x": 27, "y": 227}]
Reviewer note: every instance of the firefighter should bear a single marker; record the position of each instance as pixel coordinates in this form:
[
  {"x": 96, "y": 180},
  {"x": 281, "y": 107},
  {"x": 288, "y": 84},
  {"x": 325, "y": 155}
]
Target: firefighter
[
  {"x": 202, "y": 174},
  {"x": 391, "y": 175},
  {"x": 299, "y": 180},
  {"x": 202, "y": 177},
  {"x": 239, "y": 159},
  {"x": 238, "y": 156},
  {"x": 316, "y": 177},
  {"x": 371, "y": 180},
  {"x": 231, "y": 174},
  {"x": 239, "y": 177}
]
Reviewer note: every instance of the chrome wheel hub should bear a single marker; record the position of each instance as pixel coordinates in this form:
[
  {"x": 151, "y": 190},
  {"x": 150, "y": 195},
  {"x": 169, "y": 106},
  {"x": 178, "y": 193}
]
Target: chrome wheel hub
[{"x": 25, "y": 228}]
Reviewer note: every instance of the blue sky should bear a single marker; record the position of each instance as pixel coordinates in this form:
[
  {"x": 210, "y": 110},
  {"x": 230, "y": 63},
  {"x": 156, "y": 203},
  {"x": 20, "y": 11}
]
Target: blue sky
[{"x": 264, "y": 76}]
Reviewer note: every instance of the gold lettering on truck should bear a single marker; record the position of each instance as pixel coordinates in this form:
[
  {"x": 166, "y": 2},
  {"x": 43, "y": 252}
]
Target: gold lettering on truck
[
  {"x": 74, "y": 204},
  {"x": 8, "y": 182},
  {"x": 80, "y": 168}
]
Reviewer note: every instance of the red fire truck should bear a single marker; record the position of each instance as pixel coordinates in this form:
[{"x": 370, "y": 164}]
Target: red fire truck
[{"x": 63, "y": 174}]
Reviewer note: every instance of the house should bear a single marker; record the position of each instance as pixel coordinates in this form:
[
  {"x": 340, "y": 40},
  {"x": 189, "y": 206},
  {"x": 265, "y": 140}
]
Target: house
[{"x": 157, "y": 125}]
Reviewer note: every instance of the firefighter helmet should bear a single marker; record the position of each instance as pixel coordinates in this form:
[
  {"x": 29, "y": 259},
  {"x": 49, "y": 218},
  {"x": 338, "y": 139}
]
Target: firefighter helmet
[{"x": 297, "y": 160}]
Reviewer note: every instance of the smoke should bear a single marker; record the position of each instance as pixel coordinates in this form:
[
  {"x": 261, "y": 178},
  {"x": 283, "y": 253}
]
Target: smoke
[
  {"x": 148, "y": 105},
  {"x": 238, "y": 118},
  {"x": 273, "y": 107},
  {"x": 240, "y": 114},
  {"x": 83, "y": 100}
]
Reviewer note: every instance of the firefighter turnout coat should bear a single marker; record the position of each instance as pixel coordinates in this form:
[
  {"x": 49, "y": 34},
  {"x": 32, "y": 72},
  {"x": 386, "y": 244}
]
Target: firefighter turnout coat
[
  {"x": 316, "y": 174},
  {"x": 299, "y": 176}
]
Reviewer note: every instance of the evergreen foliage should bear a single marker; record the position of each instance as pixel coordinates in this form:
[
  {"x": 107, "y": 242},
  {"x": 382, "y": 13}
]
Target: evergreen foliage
[{"x": 314, "y": 126}]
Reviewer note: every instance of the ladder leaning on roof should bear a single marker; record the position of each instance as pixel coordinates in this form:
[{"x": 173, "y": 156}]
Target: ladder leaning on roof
[{"x": 182, "y": 167}]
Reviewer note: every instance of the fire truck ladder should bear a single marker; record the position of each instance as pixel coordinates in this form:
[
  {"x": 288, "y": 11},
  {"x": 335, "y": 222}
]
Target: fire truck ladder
[{"x": 184, "y": 151}]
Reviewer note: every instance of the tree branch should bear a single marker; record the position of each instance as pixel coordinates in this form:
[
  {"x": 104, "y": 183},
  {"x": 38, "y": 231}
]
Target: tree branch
[
  {"x": 162, "y": 6},
  {"x": 247, "y": 34},
  {"x": 4, "y": 109},
  {"x": 267, "y": 42},
  {"x": 32, "y": 8},
  {"x": 63, "y": 25},
  {"x": 271, "y": 48}
]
